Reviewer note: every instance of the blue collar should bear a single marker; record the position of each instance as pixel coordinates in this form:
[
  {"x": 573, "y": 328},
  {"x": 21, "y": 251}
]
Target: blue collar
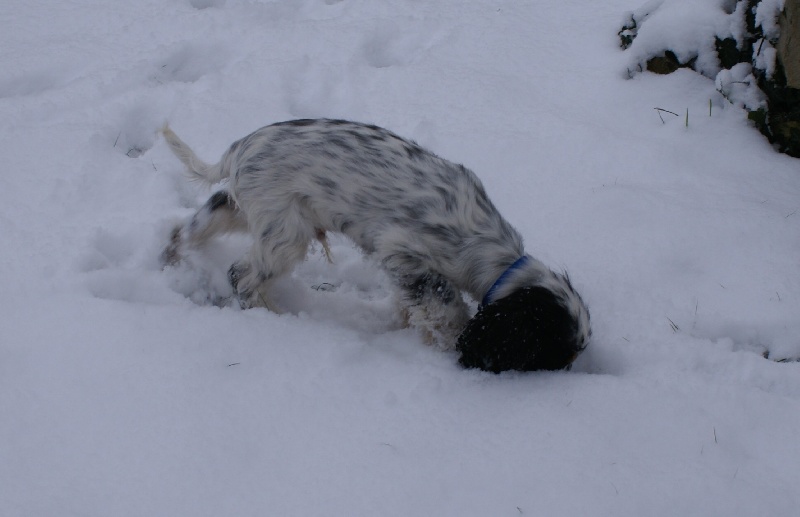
[{"x": 502, "y": 278}]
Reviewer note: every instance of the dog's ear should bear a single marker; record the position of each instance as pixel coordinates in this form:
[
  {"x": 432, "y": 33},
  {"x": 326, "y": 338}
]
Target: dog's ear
[{"x": 530, "y": 329}]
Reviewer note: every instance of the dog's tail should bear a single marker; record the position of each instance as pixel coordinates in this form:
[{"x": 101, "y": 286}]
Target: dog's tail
[{"x": 198, "y": 169}]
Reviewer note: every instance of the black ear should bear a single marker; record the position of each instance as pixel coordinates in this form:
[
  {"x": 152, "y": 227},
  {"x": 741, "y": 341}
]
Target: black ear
[{"x": 530, "y": 329}]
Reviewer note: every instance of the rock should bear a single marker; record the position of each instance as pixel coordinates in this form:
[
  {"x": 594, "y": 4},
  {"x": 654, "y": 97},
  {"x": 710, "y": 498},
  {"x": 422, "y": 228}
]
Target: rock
[{"x": 665, "y": 64}]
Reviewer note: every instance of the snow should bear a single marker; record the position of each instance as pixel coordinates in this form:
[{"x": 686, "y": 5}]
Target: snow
[
  {"x": 686, "y": 27},
  {"x": 740, "y": 87},
  {"x": 125, "y": 391},
  {"x": 766, "y": 15},
  {"x": 689, "y": 29}
]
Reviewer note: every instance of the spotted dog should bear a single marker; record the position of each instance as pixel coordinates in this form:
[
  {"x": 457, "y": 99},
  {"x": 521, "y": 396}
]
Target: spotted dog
[{"x": 427, "y": 221}]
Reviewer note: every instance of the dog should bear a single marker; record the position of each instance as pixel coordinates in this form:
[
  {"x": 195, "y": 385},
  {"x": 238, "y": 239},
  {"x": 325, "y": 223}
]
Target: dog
[{"x": 427, "y": 221}]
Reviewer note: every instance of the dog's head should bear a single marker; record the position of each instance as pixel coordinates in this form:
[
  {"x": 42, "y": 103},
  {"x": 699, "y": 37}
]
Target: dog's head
[{"x": 533, "y": 328}]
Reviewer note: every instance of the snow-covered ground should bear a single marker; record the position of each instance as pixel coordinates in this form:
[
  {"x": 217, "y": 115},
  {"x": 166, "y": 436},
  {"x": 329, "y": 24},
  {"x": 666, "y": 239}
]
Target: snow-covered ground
[{"x": 123, "y": 392}]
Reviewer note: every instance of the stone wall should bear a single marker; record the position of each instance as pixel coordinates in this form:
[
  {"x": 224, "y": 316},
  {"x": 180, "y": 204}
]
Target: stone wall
[
  {"x": 789, "y": 43},
  {"x": 781, "y": 122}
]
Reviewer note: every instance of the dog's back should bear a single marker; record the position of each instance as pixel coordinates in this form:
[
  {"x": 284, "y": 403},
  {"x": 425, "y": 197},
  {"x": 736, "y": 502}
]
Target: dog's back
[{"x": 373, "y": 186}]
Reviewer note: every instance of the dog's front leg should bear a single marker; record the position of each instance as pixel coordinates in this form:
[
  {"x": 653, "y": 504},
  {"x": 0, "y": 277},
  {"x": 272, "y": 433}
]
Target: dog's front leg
[{"x": 434, "y": 306}]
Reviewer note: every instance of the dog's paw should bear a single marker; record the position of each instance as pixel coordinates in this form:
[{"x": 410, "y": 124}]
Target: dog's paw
[{"x": 250, "y": 288}]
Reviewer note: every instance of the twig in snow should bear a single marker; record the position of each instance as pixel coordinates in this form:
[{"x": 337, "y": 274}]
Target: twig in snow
[
  {"x": 672, "y": 324},
  {"x": 659, "y": 110},
  {"x": 324, "y": 286}
]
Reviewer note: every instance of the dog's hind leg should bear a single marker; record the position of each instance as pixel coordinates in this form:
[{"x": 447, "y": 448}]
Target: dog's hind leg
[
  {"x": 251, "y": 285},
  {"x": 282, "y": 238},
  {"x": 217, "y": 216}
]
